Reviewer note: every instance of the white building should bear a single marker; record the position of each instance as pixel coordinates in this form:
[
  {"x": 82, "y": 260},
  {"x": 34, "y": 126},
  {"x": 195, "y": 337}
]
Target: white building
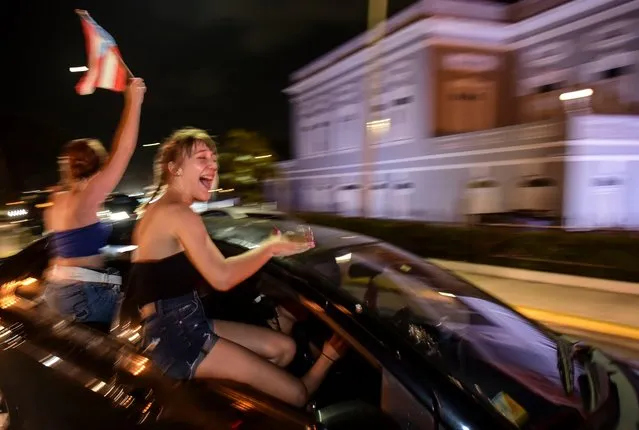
[{"x": 466, "y": 116}]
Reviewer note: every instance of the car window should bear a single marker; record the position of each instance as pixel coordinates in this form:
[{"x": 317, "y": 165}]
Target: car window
[
  {"x": 215, "y": 213},
  {"x": 263, "y": 215},
  {"x": 491, "y": 349}
]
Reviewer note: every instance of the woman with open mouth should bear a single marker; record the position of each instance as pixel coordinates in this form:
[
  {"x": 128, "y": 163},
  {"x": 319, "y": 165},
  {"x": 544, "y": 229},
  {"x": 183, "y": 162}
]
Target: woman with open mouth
[{"x": 174, "y": 251}]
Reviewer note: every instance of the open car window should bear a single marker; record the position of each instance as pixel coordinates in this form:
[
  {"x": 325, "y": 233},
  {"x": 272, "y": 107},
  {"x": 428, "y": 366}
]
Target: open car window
[{"x": 494, "y": 351}]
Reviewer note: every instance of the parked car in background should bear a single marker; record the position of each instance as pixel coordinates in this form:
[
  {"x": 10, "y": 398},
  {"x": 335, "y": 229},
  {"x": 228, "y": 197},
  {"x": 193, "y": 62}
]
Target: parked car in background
[
  {"x": 27, "y": 210},
  {"x": 119, "y": 207},
  {"x": 239, "y": 212}
]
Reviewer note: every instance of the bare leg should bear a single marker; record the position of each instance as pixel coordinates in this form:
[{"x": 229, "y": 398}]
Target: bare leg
[
  {"x": 228, "y": 360},
  {"x": 286, "y": 320},
  {"x": 276, "y": 347}
]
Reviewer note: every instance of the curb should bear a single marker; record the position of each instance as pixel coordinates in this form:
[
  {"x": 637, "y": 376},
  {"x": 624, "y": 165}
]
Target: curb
[
  {"x": 580, "y": 323},
  {"x": 598, "y": 284}
]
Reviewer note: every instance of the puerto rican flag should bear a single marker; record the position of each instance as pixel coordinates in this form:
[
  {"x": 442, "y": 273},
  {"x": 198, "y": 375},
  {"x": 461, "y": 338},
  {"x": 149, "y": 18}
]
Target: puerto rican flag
[{"x": 106, "y": 68}]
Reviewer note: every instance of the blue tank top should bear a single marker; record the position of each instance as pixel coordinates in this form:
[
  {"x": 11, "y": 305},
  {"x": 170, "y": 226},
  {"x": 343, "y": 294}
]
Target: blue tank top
[{"x": 80, "y": 242}]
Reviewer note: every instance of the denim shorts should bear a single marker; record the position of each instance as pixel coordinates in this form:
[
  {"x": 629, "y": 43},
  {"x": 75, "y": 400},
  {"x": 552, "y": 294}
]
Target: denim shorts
[
  {"x": 86, "y": 302},
  {"x": 178, "y": 336}
]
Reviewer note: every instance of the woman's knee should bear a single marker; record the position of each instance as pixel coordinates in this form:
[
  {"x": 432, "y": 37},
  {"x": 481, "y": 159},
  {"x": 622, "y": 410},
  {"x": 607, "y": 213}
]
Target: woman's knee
[
  {"x": 284, "y": 349},
  {"x": 299, "y": 395}
]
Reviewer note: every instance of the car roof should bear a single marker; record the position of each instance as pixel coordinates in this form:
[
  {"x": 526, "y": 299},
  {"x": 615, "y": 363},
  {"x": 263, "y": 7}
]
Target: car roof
[{"x": 249, "y": 232}]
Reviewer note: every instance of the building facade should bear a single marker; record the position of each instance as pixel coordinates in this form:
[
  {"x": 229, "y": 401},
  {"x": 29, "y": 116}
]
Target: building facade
[{"x": 457, "y": 113}]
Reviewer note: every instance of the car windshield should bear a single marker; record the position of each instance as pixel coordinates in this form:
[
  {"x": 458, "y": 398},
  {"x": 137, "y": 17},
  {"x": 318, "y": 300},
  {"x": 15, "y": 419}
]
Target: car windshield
[{"x": 493, "y": 351}]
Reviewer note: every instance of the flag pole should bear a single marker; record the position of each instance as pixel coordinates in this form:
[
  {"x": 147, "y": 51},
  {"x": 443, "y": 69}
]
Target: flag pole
[
  {"x": 131, "y": 75},
  {"x": 84, "y": 13}
]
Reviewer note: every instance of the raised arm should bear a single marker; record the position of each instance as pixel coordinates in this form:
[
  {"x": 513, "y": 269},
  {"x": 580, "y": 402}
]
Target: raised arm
[
  {"x": 126, "y": 137},
  {"x": 225, "y": 273}
]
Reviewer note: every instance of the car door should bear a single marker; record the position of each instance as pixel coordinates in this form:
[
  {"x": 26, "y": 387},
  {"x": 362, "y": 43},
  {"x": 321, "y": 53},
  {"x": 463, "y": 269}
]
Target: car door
[{"x": 58, "y": 374}]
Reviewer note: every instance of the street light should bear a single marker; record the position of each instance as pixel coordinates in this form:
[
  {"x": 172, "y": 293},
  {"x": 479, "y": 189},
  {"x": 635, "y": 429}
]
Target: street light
[
  {"x": 577, "y": 101},
  {"x": 78, "y": 69},
  {"x": 151, "y": 144}
]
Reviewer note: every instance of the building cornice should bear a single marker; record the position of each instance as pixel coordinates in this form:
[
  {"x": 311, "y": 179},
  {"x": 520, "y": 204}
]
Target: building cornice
[
  {"x": 522, "y": 36},
  {"x": 351, "y": 56},
  {"x": 404, "y": 42},
  {"x": 485, "y": 11}
]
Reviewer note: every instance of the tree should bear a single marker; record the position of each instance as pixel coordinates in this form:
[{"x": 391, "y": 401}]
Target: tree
[{"x": 245, "y": 159}]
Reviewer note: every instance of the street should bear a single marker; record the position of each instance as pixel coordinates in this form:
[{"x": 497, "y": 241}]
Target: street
[
  {"x": 606, "y": 320},
  {"x": 595, "y": 305}
]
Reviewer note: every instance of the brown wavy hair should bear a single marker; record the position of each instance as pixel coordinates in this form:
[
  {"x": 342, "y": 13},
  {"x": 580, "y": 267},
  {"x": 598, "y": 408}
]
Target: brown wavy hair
[{"x": 81, "y": 159}]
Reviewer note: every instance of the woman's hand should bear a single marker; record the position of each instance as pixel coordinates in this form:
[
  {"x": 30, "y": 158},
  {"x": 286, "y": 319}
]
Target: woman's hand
[
  {"x": 335, "y": 348},
  {"x": 135, "y": 91},
  {"x": 282, "y": 246}
]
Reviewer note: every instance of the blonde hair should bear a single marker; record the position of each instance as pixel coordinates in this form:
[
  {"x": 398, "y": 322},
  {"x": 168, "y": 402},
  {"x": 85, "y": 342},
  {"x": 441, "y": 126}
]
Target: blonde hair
[{"x": 174, "y": 149}]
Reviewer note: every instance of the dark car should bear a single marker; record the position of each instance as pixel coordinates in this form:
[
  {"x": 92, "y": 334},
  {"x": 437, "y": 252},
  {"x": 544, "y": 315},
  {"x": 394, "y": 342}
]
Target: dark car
[
  {"x": 240, "y": 212},
  {"x": 428, "y": 350},
  {"x": 119, "y": 207},
  {"x": 28, "y": 210}
]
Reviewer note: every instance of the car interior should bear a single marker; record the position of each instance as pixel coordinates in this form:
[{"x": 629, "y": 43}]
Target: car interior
[{"x": 353, "y": 387}]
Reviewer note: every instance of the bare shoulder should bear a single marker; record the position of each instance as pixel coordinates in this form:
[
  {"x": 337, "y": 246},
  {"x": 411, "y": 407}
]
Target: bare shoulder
[
  {"x": 173, "y": 215},
  {"x": 180, "y": 212}
]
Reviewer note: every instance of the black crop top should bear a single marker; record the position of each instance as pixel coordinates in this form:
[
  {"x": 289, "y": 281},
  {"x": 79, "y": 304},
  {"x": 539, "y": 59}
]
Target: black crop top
[{"x": 150, "y": 281}]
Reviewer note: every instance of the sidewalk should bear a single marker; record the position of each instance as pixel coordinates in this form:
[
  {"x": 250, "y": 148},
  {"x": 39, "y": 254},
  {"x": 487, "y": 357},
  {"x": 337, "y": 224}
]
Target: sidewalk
[{"x": 588, "y": 309}]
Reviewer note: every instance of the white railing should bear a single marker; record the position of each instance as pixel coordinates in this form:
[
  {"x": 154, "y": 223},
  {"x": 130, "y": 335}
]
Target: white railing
[
  {"x": 547, "y": 131},
  {"x": 608, "y": 127}
]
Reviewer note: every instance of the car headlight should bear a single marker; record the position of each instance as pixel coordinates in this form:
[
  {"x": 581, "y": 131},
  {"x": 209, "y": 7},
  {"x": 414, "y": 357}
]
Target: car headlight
[{"x": 17, "y": 212}]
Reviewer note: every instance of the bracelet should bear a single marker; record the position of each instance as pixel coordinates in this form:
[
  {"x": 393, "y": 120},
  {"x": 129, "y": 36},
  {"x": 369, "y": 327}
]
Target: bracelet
[{"x": 329, "y": 358}]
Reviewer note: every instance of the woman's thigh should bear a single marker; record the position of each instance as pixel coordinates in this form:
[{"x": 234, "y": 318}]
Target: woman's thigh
[
  {"x": 228, "y": 360},
  {"x": 265, "y": 342}
]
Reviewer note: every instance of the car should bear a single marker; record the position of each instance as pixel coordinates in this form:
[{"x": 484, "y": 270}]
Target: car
[
  {"x": 428, "y": 350},
  {"x": 239, "y": 212},
  {"x": 27, "y": 210},
  {"x": 119, "y": 207}
]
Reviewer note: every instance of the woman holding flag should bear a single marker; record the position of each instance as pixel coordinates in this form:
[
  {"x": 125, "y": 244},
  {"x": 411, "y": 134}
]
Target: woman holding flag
[{"x": 78, "y": 283}]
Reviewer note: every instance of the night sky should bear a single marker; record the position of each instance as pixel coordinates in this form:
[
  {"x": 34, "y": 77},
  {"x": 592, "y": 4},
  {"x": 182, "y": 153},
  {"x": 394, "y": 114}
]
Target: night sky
[{"x": 214, "y": 64}]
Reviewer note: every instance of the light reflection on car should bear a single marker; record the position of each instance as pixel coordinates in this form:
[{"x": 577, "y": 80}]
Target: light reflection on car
[{"x": 496, "y": 354}]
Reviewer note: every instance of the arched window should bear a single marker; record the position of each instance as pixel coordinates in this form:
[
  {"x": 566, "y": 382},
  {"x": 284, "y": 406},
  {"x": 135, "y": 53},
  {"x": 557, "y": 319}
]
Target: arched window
[
  {"x": 483, "y": 196},
  {"x": 348, "y": 199},
  {"x": 379, "y": 199},
  {"x": 401, "y": 199},
  {"x": 538, "y": 194}
]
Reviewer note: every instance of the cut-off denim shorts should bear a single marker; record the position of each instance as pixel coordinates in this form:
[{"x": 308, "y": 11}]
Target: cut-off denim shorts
[
  {"x": 85, "y": 302},
  {"x": 178, "y": 336}
]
